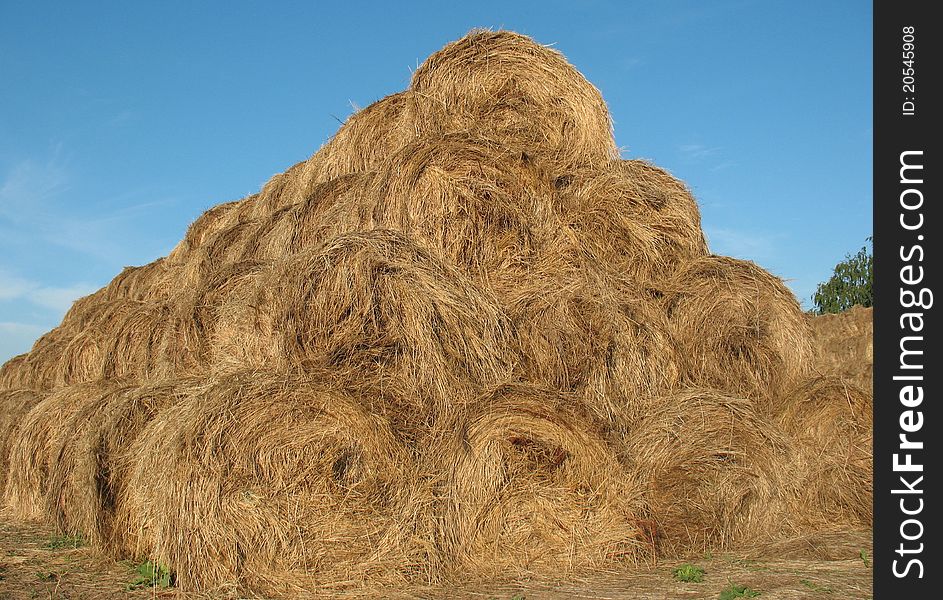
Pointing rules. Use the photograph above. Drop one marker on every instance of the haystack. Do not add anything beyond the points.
(502, 85)
(831, 419)
(474, 200)
(365, 140)
(844, 345)
(33, 439)
(273, 484)
(579, 331)
(331, 208)
(86, 491)
(14, 406)
(715, 472)
(529, 484)
(206, 226)
(149, 282)
(739, 328)
(375, 307)
(633, 216)
(463, 340)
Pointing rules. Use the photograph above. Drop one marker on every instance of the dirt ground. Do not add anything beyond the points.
(33, 564)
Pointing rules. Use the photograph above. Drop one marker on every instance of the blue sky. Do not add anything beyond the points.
(121, 122)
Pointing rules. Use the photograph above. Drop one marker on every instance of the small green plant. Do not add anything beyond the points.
(815, 587)
(733, 591)
(63, 542)
(47, 575)
(689, 573)
(150, 574)
(864, 557)
(518, 597)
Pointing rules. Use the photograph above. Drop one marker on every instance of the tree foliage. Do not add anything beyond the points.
(850, 284)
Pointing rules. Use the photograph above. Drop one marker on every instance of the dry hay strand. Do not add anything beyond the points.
(118, 342)
(844, 344)
(185, 347)
(471, 199)
(36, 369)
(739, 329)
(511, 89)
(138, 344)
(14, 405)
(364, 141)
(328, 210)
(528, 484)
(634, 216)
(148, 282)
(14, 374)
(831, 419)
(716, 472)
(29, 459)
(87, 478)
(204, 227)
(278, 191)
(234, 243)
(70, 484)
(84, 310)
(272, 484)
(578, 330)
(380, 311)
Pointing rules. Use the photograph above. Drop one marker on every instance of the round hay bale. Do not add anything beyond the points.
(271, 484)
(330, 209)
(365, 140)
(83, 310)
(89, 467)
(37, 370)
(14, 374)
(831, 419)
(528, 484)
(716, 472)
(844, 345)
(139, 283)
(380, 310)
(739, 329)
(283, 189)
(29, 456)
(119, 341)
(633, 216)
(473, 200)
(185, 347)
(579, 331)
(239, 241)
(506, 87)
(72, 483)
(135, 341)
(203, 228)
(83, 357)
(14, 405)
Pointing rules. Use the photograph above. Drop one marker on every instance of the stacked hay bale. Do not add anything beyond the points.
(464, 339)
(844, 345)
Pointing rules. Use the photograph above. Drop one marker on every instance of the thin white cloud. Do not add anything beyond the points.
(60, 299)
(31, 209)
(17, 338)
(14, 287)
(54, 298)
(29, 186)
(697, 151)
(739, 244)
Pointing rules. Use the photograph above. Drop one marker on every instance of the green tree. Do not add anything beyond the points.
(850, 284)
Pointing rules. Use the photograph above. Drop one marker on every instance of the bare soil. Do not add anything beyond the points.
(828, 565)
